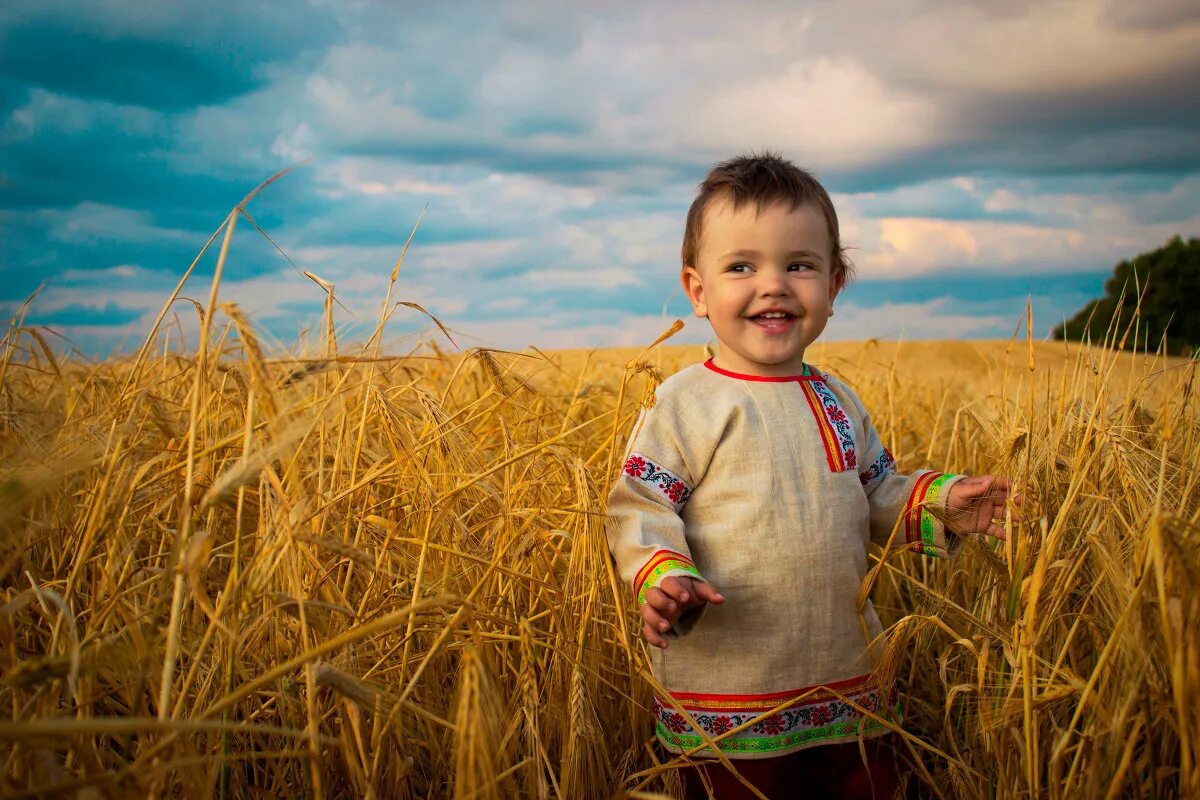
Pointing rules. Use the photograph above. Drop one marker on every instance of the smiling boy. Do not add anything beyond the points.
(748, 498)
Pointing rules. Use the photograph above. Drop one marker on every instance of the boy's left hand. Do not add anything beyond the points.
(974, 502)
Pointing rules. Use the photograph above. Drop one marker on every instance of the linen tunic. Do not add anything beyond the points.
(770, 489)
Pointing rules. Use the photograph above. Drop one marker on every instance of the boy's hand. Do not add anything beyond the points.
(974, 502)
(667, 601)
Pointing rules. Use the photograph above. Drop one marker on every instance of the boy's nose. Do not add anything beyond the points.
(771, 282)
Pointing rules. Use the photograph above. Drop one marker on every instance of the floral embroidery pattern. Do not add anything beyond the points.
(872, 475)
(837, 432)
(661, 565)
(820, 716)
(919, 523)
(670, 485)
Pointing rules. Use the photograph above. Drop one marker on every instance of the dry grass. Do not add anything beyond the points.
(229, 574)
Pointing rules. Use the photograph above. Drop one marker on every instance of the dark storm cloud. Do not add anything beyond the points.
(1152, 14)
(97, 151)
(170, 55)
(124, 70)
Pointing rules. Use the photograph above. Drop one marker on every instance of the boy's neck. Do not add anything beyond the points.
(792, 369)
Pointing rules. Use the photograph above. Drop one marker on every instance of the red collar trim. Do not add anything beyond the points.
(812, 376)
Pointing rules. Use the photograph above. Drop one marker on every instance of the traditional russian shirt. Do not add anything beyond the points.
(770, 489)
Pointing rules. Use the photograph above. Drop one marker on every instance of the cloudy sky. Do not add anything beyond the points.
(977, 154)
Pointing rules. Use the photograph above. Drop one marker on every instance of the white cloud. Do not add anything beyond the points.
(1054, 231)
(829, 113)
(1040, 48)
(100, 294)
(506, 304)
(90, 222)
(101, 276)
(582, 278)
(375, 177)
(935, 319)
(295, 145)
(463, 258)
(568, 331)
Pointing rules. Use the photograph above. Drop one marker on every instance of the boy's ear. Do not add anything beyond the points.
(836, 284)
(694, 287)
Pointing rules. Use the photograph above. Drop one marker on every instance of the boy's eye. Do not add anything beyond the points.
(799, 266)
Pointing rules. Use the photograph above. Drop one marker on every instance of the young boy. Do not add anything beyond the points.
(749, 495)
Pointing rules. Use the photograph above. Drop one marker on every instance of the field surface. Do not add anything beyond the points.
(233, 573)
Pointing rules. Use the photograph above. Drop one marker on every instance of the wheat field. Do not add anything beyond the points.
(327, 572)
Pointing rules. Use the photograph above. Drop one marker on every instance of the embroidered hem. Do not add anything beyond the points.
(920, 525)
(817, 716)
(662, 564)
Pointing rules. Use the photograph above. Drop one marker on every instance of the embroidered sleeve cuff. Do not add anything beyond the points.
(662, 565)
(923, 530)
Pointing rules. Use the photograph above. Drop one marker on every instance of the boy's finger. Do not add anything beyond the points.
(997, 531)
(659, 600)
(708, 592)
(654, 637)
(655, 620)
(675, 588)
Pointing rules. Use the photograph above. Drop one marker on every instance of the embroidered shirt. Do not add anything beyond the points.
(770, 489)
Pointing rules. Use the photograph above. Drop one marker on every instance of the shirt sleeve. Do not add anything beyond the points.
(643, 525)
(915, 502)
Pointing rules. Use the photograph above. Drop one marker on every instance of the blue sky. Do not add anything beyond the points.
(976, 155)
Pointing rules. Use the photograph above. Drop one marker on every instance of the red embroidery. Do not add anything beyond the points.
(666, 482)
(816, 714)
(872, 475)
(837, 433)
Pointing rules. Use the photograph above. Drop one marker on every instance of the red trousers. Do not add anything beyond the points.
(826, 771)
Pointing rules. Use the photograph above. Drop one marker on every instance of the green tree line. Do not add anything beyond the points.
(1169, 282)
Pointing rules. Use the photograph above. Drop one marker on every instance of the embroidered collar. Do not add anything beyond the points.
(809, 374)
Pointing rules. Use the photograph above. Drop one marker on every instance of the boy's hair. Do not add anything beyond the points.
(762, 180)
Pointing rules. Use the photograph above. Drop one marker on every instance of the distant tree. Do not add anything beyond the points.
(1169, 279)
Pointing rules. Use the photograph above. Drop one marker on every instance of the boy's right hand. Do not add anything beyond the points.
(666, 602)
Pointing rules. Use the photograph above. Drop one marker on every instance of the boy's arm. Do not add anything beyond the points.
(643, 525)
(913, 504)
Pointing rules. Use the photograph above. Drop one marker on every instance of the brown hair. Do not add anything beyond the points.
(763, 179)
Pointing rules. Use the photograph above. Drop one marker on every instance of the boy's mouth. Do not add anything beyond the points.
(774, 321)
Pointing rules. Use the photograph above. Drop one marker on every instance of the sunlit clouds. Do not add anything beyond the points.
(978, 155)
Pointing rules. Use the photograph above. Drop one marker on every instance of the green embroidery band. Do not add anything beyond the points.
(770, 744)
(928, 521)
(660, 570)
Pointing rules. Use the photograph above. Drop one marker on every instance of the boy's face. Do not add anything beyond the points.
(773, 261)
